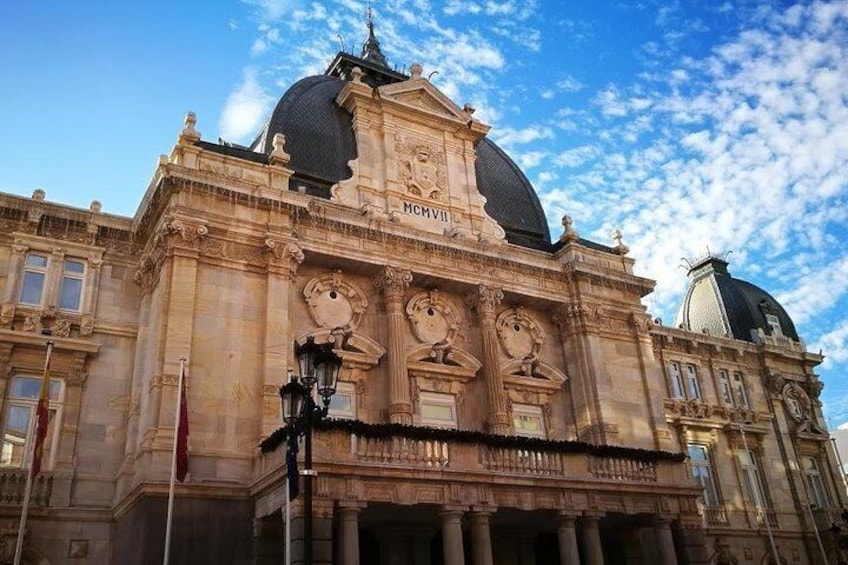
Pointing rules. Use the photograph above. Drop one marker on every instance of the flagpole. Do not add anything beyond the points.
(173, 464)
(30, 452)
(288, 524)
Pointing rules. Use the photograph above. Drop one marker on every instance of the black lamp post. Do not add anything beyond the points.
(319, 367)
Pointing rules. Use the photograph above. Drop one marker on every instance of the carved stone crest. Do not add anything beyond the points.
(796, 401)
(334, 301)
(421, 167)
(433, 319)
(48, 319)
(521, 337)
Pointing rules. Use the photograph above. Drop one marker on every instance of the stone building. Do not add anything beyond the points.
(504, 399)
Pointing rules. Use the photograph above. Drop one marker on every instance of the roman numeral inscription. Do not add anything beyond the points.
(425, 212)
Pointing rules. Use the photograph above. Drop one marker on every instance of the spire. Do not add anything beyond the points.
(371, 47)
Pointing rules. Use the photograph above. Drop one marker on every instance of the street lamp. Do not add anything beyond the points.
(319, 367)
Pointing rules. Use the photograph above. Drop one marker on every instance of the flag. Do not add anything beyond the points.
(42, 415)
(291, 466)
(182, 431)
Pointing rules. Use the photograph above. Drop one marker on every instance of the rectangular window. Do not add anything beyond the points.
(699, 458)
(724, 389)
(18, 421)
(528, 420)
(34, 275)
(70, 291)
(437, 410)
(815, 486)
(343, 403)
(774, 323)
(741, 391)
(693, 389)
(675, 380)
(751, 479)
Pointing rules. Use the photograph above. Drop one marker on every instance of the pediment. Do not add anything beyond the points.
(419, 94)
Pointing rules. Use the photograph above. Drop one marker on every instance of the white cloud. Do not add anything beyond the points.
(510, 137)
(245, 108)
(834, 343)
(575, 157)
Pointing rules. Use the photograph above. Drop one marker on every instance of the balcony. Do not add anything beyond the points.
(448, 451)
(762, 514)
(13, 485)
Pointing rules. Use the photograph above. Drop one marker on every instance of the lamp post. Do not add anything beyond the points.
(319, 368)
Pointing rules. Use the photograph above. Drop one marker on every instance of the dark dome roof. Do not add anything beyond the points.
(723, 305)
(319, 134)
(320, 140)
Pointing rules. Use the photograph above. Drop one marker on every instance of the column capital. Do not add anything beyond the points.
(661, 521)
(485, 299)
(591, 516)
(392, 282)
(483, 510)
(350, 506)
(451, 512)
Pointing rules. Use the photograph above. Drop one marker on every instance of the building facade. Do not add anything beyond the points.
(504, 398)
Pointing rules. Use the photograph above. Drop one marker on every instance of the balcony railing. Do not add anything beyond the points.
(762, 514)
(618, 468)
(714, 516)
(524, 461)
(440, 453)
(13, 485)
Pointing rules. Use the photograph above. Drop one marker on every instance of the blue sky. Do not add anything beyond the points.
(688, 125)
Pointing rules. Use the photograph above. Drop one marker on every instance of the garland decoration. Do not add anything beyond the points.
(380, 431)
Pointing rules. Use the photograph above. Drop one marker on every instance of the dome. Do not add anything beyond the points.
(320, 139)
(719, 304)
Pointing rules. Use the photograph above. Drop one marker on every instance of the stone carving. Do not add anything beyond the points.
(335, 302)
(723, 555)
(796, 401)
(49, 319)
(775, 383)
(433, 319)
(287, 254)
(485, 300)
(7, 315)
(421, 167)
(86, 325)
(520, 335)
(393, 282)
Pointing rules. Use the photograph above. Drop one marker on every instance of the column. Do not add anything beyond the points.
(481, 539)
(452, 536)
(567, 538)
(665, 541)
(591, 536)
(283, 260)
(13, 275)
(484, 300)
(349, 533)
(392, 282)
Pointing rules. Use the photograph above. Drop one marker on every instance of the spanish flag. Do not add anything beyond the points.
(42, 415)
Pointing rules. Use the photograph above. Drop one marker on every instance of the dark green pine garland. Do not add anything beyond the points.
(377, 431)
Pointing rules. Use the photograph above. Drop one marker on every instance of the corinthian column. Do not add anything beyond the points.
(484, 301)
(392, 282)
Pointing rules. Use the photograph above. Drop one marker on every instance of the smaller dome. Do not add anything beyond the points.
(719, 304)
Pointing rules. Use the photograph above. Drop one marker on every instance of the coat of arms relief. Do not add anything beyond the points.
(421, 167)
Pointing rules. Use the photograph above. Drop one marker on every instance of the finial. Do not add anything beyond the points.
(38, 194)
(356, 74)
(189, 135)
(278, 155)
(619, 248)
(568, 232)
(416, 70)
(371, 47)
(95, 206)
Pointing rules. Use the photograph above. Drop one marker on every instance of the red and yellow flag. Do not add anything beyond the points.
(182, 430)
(42, 415)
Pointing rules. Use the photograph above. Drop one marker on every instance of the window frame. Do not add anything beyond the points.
(533, 411)
(740, 389)
(675, 381)
(55, 408)
(28, 269)
(66, 275)
(817, 493)
(693, 383)
(725, 388)
(441, 400)
(753, 486)
(710, 496)
(343, 388)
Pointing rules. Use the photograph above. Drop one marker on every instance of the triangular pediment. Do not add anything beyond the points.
(420, 94)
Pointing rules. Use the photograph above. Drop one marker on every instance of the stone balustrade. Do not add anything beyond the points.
(620, 469)
(13, 485)
(338, 447)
